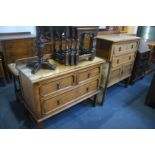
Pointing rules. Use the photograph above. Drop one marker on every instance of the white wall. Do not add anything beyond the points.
(5, 29)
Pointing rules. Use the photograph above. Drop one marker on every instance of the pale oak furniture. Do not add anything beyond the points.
(120, 50)
(47, 92)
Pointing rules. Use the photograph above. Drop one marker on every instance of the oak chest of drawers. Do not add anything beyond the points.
(120, 50)
(47, 92)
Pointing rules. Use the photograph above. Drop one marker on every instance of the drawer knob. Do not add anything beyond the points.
(120, 48)
(129, 57)
(87, 89)
(58, 86)
(89, 75)
(131, 46)
(58, 102)
(117, 61)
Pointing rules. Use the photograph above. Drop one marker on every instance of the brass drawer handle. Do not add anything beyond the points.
(58, 86)
(117, 61)
(129, 57)
(131, 46)
(120, 48)
(87, 89)
(58, 102)
(89, 75)
(122, 72)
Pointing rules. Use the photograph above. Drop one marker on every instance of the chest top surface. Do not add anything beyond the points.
(117, 37)
(43, 74)
(16, 36)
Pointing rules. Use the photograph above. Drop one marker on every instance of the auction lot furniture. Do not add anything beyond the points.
(151, 60)
(16, 46)
(49, 92)
(2, 75)
(120, 50)
(141, 62)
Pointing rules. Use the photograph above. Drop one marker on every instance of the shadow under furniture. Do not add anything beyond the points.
(150, 98)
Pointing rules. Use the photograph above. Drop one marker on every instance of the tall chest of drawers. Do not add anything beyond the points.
(120, 50)
(47, 92)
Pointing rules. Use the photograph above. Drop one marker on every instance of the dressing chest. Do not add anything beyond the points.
(49, 92)
(120, 50)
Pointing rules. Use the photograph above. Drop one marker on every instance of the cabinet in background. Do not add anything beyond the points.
(120, 51)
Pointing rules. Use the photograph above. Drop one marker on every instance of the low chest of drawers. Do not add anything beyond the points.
(47, 92)
(120, 50)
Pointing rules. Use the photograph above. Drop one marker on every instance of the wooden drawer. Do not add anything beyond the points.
(57, 102)
(12, 56)
(127, 69)
(88, 74)
(19, 52)
(57, 84)
(18, 44)
(123, 48)
(118, 60)
(115, 74)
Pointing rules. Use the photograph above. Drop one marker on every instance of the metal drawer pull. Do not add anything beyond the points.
(120, 48)
(129, 57)
(58, 86)
(58, 102)
(117, 61)
(89, 75)
(131, 46)
(87, 89)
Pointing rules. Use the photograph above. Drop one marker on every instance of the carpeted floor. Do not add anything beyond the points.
(124, 108)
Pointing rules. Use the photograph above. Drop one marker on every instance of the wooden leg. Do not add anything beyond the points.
(127, 81)
(39, 125)
(95, 100)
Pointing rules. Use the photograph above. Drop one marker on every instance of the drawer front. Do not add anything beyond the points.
(119, 49)
(88, 74)
(20, 43)
(56, 85)
(118, 60)
(12, 56)
(115, 75)
(127, 69)
(55, 103)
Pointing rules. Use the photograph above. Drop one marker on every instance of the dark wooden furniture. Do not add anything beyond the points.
(49, 92)
(73, 48)
(151, 60)
(141, 64)
(150, 98)
(120, 50)
(16, 46)
(2, 75)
